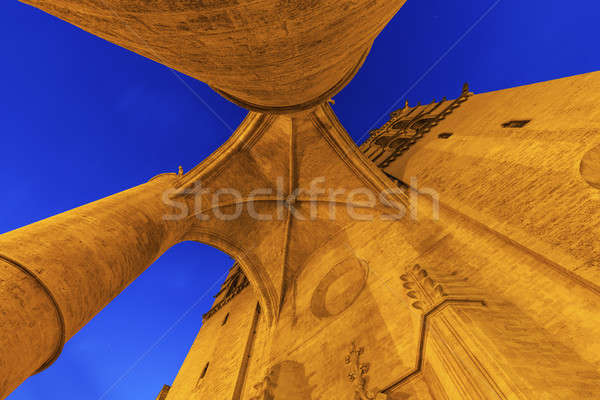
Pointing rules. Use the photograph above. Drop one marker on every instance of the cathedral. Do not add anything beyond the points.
(452, 255)
(476, 289)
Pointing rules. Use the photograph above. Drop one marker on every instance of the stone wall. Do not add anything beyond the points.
(465, 301)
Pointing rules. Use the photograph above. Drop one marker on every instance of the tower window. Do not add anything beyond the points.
(445, 135)
(225, 319)
(202, 375)
(204, 371)
(517, 123)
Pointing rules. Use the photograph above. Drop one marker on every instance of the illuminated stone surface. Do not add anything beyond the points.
(493, 294)
(266, 55)
(590, 167)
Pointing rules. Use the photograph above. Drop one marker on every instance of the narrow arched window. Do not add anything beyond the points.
(202, 375)
(516, 123)
(225, 319)
(204, 371)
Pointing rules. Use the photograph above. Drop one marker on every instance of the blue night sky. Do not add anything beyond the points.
(82, 119)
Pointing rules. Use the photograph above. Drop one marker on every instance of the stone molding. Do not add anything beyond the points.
(59, 314)
(399, 141)
(226, 300)
(425, 323)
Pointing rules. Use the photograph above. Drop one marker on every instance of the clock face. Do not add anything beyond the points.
(590, 167)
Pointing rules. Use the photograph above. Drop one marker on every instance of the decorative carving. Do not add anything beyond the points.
(429, 297)
(419, 286)
(358, 375)
(264, 389)
(231, 287)
(164, 392)
(286, 380)
(406, 126)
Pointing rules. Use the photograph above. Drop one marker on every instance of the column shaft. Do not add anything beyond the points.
(58, 273)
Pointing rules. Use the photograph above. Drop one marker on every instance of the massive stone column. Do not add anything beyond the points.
(265, 55)
(56, 274)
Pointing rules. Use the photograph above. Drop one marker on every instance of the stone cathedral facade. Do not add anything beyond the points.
(453, 255)
(482, 324)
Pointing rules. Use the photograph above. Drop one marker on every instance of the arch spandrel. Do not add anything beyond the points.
(253, 270)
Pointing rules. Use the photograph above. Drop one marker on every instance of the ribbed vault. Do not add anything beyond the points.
(285, 184)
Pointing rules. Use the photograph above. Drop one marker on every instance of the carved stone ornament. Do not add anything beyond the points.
(357, 374)
(424, 292)
(264, 390)
(407, 126)
(232, 287)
